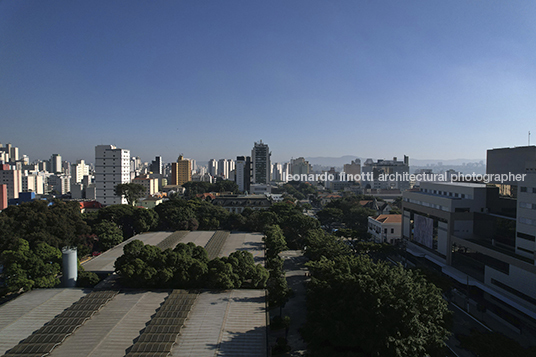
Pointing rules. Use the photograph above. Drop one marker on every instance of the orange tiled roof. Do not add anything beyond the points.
(389, 218)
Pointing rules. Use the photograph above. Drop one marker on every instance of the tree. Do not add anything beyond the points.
(131, 219)
(358, 307)
(87, 279)
(175, 215)
(28, 269)
(274, 241)
(59, 224)
(278, 290)
(221, 275)
(131, 191)
(329, 216)
(109, 234)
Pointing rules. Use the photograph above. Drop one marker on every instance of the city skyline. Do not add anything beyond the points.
(431, 80)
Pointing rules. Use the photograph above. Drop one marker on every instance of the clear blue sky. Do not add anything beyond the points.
(429, 79)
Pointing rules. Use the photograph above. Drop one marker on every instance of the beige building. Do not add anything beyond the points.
(181, 171)
(150, 184)
(12, 179)
(385, 228)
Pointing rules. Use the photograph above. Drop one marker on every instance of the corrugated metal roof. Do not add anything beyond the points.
(21, 317)
(113, 330)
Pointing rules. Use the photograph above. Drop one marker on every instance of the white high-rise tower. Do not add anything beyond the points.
(112, 167)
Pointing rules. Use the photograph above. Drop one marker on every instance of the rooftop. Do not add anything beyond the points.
(388, 218)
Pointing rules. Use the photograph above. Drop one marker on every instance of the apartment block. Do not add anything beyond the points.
(243, 173)
(78, 171)
(260, 157)
(12, 179)
(181, 171)
(150, 184)
(386, 174)
(112, 167)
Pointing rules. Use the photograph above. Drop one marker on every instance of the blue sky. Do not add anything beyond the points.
(429, 79)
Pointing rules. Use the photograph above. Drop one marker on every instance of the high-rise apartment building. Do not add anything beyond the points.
(9, 153)
(55, 164)
(260, 157)
(382, 169)
(353, 168)
(181, 171)
(78, 171)
(33, 183)
(300, 166)
(213, 167)
(156, 166)
(12, 179)
(243, 173)
(112, 167)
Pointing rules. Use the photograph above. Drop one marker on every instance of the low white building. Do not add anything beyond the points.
(385, 228)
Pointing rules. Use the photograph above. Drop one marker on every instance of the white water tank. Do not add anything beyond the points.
(70, 267)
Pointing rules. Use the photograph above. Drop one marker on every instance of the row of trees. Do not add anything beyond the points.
(358, 307)
(187, 266)
(278, 290)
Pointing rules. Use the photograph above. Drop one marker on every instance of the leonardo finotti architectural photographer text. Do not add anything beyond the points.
(443, 177)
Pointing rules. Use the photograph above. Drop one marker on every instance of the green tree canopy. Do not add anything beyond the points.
(132, 192)
(59, 224)
(109, 234)
(359, 307)
(27, 269)
(187, 266)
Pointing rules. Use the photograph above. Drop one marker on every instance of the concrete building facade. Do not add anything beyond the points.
(243, 173)
(480, 234)
(12, 179)
(112, 167)
(181, 171)
(78, 171)
(385, 228)
(381, 170)
(261, 167)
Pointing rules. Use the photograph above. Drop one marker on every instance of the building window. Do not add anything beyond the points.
(392, 230)
(525, 250)
(525, 236)
(523, 189)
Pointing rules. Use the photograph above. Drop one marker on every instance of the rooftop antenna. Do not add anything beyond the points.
(529, 137)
